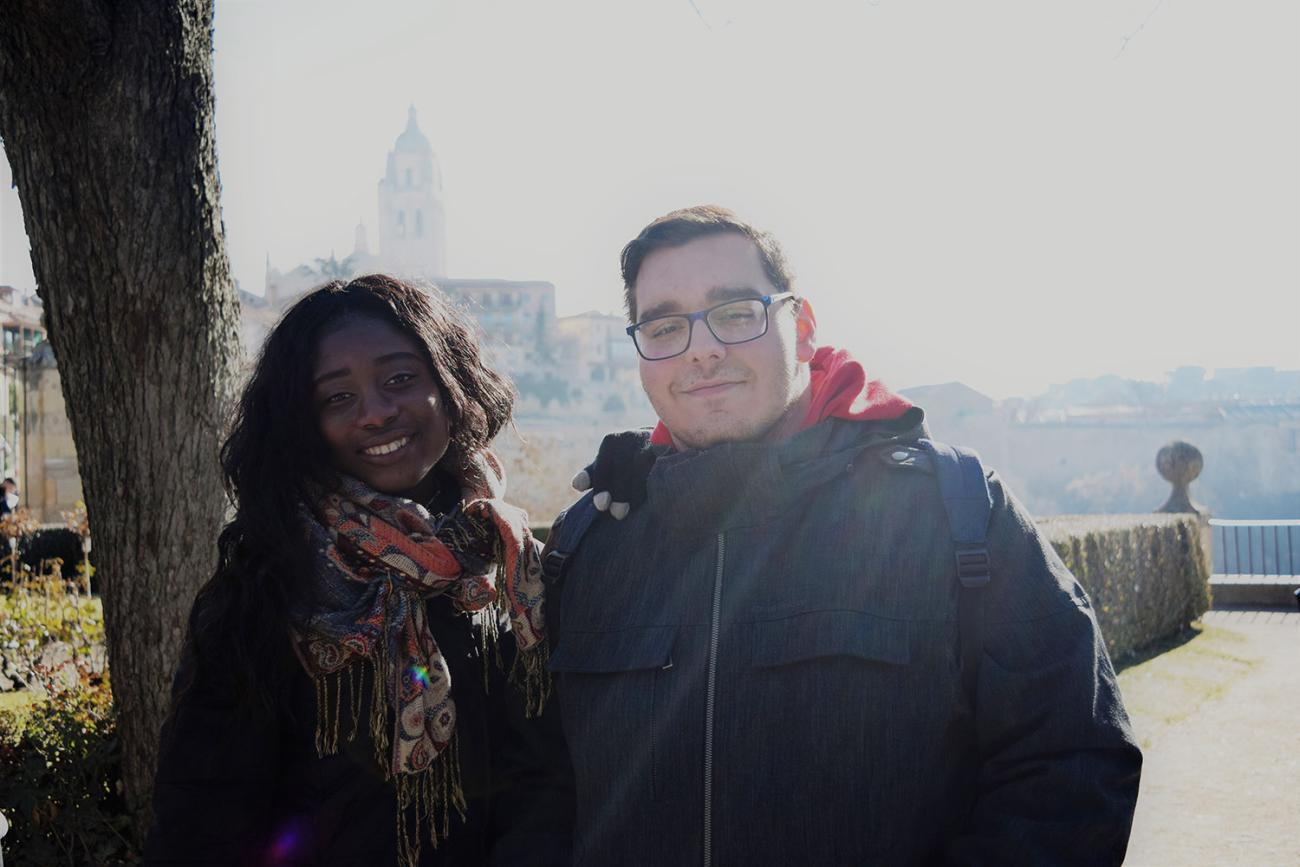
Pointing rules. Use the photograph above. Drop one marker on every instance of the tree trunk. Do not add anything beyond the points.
(106, 111)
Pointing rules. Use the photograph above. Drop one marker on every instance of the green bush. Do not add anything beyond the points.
(31, 620)
(60, 779)
(1147, 575)
(59, 770)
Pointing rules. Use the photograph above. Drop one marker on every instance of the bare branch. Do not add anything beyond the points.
(1140, 28)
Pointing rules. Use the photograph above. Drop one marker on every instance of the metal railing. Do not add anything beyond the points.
(1264, 548)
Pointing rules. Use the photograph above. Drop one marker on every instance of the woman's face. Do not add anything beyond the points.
(379, 407)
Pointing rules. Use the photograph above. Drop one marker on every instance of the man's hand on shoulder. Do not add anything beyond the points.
(618, 474)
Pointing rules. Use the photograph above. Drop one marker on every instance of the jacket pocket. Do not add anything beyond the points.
(609, 686)
(819, 634)
(632, 649)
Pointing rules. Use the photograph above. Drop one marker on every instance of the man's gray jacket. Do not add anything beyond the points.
(761, 666)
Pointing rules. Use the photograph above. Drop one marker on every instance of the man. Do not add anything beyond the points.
(8, 496)
(762, 665)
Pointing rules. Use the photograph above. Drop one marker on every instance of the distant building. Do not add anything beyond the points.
(517, 317)
(20, 319)
(412, 221)
(951, 400)
(412, 227)
(594, 347)
(1089, 446)
(581, 363)
(49, 483)
(257, 317)
(36, 445)
(599, 362)
(20, 316)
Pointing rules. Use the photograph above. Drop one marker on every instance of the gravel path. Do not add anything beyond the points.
(1219, 722)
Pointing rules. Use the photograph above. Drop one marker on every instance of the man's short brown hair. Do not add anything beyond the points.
(686, 225)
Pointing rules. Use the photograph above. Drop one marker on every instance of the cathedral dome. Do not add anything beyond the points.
(412, 140)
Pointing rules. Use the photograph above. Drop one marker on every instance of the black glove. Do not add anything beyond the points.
(619, 472)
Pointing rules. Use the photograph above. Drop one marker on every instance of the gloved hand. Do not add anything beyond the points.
(619, 472)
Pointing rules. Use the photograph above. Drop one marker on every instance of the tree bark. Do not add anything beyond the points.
(106, 112)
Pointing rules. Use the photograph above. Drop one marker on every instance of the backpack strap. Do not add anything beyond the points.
(968, 504)
(574, 524)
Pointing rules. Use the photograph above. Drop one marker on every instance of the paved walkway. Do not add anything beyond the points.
(1219, 723)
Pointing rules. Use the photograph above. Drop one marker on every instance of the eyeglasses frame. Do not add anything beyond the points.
(703, 315)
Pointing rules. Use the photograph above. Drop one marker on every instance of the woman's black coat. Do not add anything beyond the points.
(232, 790)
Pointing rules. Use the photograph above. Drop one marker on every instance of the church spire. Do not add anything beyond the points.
(362, 245)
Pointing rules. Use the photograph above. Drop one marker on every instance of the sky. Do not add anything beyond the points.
(1009, 194)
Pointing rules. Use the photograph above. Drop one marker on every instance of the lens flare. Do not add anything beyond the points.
(420, 675)
(287, 843)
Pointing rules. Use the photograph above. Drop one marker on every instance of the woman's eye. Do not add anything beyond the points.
(337, 397)
(398, 379)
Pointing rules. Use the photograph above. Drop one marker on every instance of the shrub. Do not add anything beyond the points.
(50, 543)
(60, 777)
(1147, 575)
(59, 768)
(34, 623)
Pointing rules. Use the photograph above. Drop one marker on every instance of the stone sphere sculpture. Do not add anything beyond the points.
(1179, 462)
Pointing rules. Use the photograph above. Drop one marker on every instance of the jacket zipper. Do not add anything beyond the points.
(710, 694)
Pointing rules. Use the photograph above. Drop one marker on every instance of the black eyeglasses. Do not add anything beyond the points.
(731, 322)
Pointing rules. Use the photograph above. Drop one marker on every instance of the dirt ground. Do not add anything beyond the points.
(1218, 718)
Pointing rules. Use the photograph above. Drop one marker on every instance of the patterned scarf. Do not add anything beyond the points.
(378, 559)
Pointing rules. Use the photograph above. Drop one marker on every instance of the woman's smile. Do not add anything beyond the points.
(387, 448)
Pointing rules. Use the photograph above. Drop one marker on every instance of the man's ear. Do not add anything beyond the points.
(805, 331)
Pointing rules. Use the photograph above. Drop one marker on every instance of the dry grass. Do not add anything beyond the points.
(1171, 681)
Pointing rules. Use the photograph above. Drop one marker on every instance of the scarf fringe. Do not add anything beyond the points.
(432, 793)
(532, 678)
(329, 710)
(330, 713)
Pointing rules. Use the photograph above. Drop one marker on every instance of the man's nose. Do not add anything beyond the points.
(377, 409)
(704, 346)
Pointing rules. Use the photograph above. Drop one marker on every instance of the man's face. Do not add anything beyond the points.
(715, 392)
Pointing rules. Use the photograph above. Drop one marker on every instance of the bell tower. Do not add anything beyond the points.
(412, 222)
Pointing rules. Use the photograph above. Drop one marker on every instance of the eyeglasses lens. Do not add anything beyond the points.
(738, 321)
(735, 322)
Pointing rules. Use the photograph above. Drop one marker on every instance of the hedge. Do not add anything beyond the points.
(1147, 575)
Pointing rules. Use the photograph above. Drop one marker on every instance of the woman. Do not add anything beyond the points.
(343, 696)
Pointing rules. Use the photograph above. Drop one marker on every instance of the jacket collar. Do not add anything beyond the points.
(729, 485)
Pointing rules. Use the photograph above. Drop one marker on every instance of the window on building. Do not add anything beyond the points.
(401, 224)
(408, 179)
(419, 224)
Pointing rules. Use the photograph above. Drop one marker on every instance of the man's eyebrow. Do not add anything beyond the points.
(402, 355)
(716, 295)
